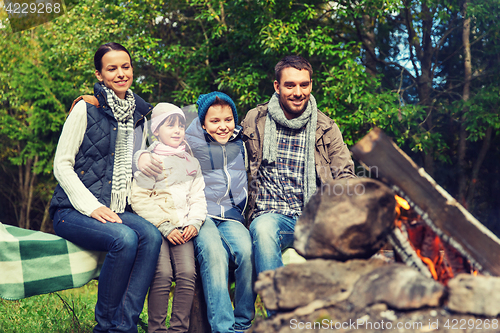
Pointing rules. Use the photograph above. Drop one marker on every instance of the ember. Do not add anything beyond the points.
(442, 261)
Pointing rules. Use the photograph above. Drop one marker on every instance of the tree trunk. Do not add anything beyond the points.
(462, 145)
(422, 51)
(46, 219)
(368, 38)
(477, 166)
(26, 179)
(31, 188)
(22, 191)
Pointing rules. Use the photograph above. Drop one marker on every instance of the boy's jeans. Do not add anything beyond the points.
(220, 245)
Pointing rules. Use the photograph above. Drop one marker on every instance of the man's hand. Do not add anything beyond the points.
(189, 232)
(104, 214)
(175, 237)
(149, 165)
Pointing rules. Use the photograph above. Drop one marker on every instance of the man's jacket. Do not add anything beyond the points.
(332, 158)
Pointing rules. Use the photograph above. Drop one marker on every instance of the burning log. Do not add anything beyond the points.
(442, 213)
(405, 251)
(416, 244)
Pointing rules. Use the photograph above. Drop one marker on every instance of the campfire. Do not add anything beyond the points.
(415, 243)
(430, 283)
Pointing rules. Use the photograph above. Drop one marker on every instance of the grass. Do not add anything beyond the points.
(67, 311)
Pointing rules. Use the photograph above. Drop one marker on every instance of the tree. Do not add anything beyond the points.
(480, 122)
(32, 113)
(396, 64)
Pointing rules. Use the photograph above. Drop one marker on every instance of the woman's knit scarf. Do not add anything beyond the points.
(309, 118)
(123, 110)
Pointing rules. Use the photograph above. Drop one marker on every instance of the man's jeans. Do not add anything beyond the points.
(222, 245)
(133, 247)
(271, 233)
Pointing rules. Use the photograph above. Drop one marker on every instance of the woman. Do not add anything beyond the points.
(93, 165)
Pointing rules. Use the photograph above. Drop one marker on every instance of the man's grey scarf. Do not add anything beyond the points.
(123, 110)
(309, 118)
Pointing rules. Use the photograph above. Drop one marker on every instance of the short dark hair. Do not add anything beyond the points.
(105, 48)
(172, 119)
(294, 61)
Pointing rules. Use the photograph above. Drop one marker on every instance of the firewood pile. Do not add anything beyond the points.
(441, 276)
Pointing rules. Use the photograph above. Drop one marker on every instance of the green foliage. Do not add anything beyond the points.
(31, 112)
(355, 100)
(34, 89)
(244, 83)
(481, 112)
(181, 49)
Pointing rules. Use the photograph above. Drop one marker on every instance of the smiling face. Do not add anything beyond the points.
(171, 132)
(294, 89)
(116, 72)
(219, 123)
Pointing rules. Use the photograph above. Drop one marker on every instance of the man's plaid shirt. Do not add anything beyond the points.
(280, 185)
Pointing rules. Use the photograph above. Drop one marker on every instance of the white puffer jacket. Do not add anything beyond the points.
(174, 197)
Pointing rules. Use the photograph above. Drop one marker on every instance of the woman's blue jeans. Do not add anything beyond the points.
(222, 245)
(271, 233)
(133, 247)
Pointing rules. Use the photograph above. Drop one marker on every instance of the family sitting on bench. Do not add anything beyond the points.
(189, 194)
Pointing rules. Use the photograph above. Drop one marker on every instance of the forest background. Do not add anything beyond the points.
(426, 72)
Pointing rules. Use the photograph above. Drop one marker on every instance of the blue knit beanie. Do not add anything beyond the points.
(205, 101)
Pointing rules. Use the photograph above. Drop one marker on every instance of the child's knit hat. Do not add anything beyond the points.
(161, 111)
(206, 100)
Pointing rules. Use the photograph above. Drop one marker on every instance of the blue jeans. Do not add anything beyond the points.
(271, 233)
(133, 247)
(219, 245)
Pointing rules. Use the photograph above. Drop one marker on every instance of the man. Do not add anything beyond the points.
(292, 148)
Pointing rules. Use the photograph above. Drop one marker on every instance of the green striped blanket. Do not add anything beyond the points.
(34, 262)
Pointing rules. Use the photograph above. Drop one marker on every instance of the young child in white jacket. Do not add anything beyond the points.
(174, 201)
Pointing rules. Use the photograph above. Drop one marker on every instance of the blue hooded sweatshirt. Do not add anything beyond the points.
(223, 168)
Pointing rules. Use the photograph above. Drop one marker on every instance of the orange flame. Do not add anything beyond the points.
(434, 257)
(402, 202)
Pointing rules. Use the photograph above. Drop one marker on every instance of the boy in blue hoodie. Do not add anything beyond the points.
(223, 242)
